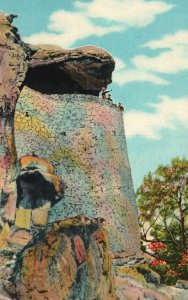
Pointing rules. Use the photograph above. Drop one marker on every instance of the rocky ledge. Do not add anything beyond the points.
(82, 70)
(69, 260)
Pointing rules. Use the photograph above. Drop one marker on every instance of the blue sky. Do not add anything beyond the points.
(149, 41)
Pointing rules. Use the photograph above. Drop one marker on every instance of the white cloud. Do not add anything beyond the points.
(125, 76)
(67, 27)
(180, 38)
(172, 60)
(47, 38)
(137, 13)
(119, 63)
(167, 115)
(77, 26)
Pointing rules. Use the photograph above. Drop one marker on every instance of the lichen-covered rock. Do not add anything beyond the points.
(182, 284)
(4, 296)
(129, 289)
(38, 189)
(13, 68)
(82, 70)
(83, 137)
(135, 280)
(71, 260)
(137, 268)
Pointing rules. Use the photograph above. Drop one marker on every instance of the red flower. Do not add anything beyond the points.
(157, 247)
(156, 262)
(172, 273)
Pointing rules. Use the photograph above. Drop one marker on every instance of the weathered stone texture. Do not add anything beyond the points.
(13, 68)
(83, 137)
(69, 261)
(63, 133)
(38, 188)
(82, 70)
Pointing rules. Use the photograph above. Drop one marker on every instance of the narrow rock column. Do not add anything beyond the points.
(13, 68)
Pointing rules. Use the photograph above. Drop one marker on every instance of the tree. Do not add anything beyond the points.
(163, 215)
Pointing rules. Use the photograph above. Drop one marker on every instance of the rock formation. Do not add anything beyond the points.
(82, 71)
(13, 68)
(63, 156)
(38, 189)
(83, 137)
(70, 261)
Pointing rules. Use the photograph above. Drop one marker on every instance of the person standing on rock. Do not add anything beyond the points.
(104, 92)
(120, 106)
(109, 97)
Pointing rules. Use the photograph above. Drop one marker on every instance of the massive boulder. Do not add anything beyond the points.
(51, 69)
(58, 71)
(67, 259)
(71, 260)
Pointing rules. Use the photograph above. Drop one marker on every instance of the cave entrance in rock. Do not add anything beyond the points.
(34, 197)
(33, 190)
(52, 79)
(37, 189)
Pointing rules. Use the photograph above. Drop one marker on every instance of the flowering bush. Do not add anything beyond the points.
(159, 266)
(171, 277)
(163, 205)
(157, 247)
(157, 262)
(184, 259)
(172, 273)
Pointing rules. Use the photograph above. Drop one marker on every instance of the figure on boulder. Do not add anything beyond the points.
(104, 92)
(120, 106)
(109, 97)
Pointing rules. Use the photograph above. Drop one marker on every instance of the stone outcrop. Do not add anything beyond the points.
(182, 284)
(13, 68)
(83, 70)
(38, 189)
(69, 261)
(135, 280)
(64, 133)
(83, 137)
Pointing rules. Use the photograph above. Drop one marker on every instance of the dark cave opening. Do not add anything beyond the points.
(51, 79)
(33, 190)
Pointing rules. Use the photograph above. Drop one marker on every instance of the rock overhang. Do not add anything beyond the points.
(82, 70)
(52, 69)
(85, 70)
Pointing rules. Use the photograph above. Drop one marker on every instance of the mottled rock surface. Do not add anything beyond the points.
(76, 137)
(81, 70)
(135, 280)
(182, 284)
(130, 289)
(70, 260)
(38, 189)
(83, 137)
(13, 68)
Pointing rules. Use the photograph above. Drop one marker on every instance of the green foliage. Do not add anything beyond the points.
(163, 214)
